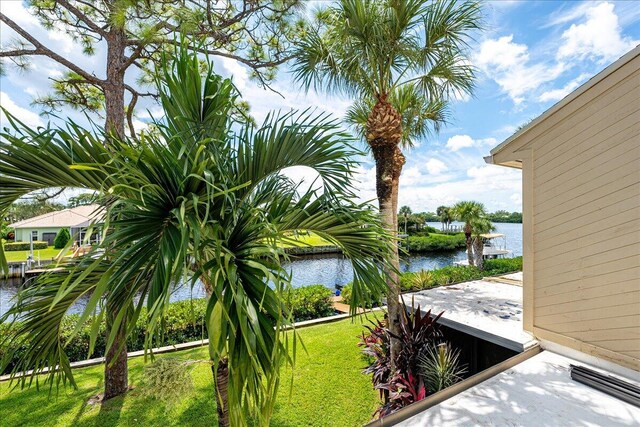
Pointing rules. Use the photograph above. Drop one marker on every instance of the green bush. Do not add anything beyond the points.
(62, 238)
(434, 242)
(24, 246)
(183, 322)
(310, 302)
(493, 267)
(346, 292)
(456, 274)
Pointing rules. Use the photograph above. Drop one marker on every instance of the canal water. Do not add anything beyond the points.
(328, 269)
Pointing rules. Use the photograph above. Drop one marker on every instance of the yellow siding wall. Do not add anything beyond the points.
(585, 218)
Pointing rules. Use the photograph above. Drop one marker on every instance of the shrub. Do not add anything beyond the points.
(24, 246)
(418, 333)
(434, 242)
(493, 267)
(183, 322)
(440, 367)
(346, 297)
(62, 238)
(310, 302)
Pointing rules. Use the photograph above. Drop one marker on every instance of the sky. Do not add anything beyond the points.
(531, 55)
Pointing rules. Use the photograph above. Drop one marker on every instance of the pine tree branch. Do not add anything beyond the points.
(82, 17)
(42, 50)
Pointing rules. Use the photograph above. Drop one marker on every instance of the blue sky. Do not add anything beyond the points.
(530, 56)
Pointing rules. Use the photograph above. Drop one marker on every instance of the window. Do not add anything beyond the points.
(34, 235)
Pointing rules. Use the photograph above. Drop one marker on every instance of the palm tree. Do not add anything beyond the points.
(405, 211)
(402, 61)
(469, 212)
(196, 199)
(444, 213)
(479, 227)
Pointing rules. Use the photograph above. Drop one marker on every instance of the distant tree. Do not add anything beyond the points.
(30, 208)
(467, 212)
(82, 199)
(405, 211)
(62, 238)
(445, 215)
(479, 226)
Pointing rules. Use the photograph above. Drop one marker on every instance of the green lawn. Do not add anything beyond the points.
(42, 254)
(311, 239)
(328, 390)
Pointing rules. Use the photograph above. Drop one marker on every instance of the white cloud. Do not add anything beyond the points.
(558, 94)
(29, 118)
(458, 142)
(435, 166)
(238, 72)
(599, 36)
(508, 63)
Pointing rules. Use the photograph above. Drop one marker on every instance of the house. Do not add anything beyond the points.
(580, 297)
(46, 227)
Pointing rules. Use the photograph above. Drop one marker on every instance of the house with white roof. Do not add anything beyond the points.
(45, 227)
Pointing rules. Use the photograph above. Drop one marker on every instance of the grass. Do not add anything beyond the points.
(328, 390)
(309, 240)
(42, 254)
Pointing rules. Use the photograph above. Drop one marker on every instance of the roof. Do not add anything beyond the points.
(538, 391)
(491, 235)
(80, 216)
(491, 311)
(567, 99)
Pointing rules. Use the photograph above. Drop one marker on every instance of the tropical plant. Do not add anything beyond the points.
(479, 226)
(445, 215)
(468, 212)
(200, 200)
(405, 212)
(422, 279)
(61, 239)
(397, 380)
(401, 61)
(440, 367)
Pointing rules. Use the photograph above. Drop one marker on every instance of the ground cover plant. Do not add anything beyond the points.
(328, 390)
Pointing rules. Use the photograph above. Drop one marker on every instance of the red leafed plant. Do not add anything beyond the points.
(418, 333)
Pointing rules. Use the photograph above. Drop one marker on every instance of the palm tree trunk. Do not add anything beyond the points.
(116, 371)
(468, 241)
(478, 249)
(220, 375)
(383, 134)
(389, 162)
(221, 384)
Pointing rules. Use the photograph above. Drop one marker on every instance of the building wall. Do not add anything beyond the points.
(581, 219)
(23, 234)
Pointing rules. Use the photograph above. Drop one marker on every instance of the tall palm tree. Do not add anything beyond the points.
(401, 61)
(404, 212)
(469, 212)
(444, 213)
(480, 226)
(203, 197)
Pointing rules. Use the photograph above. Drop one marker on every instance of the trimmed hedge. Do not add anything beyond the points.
(448, 275)
(434, 242)
(184, 322)
(24, 246)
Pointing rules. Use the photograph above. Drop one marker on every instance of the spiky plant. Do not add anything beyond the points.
(440, 367)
